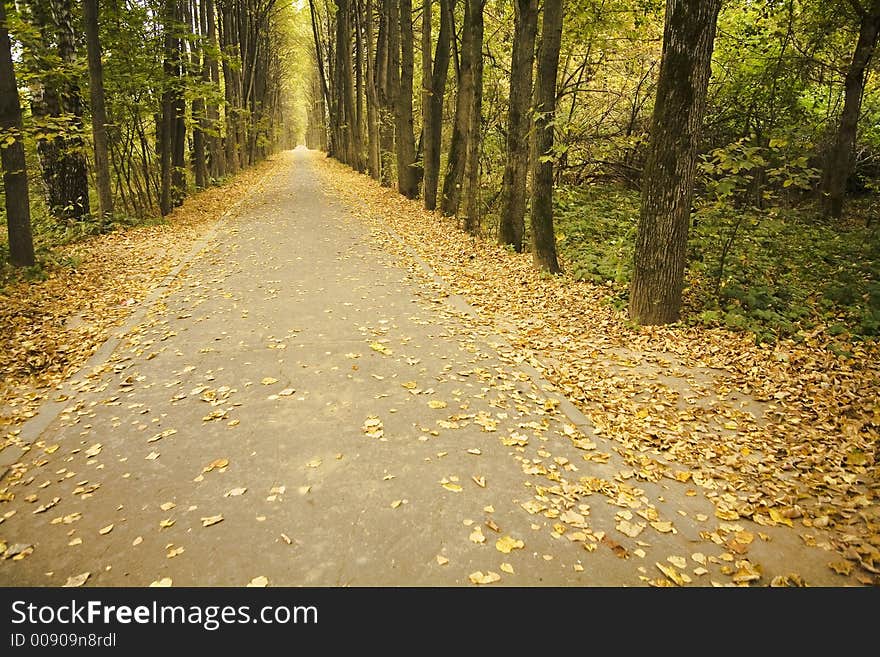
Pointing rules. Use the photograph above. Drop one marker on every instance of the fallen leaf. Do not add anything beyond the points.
(167, 506)
(506, 543)
(75, 541)
(268, 380)
(441, 560)
(105, 530)
(76, 581)
(436, 403)
(235, 492)
(507, 568)
(479, 578)
(152, 456)
(455, 488)
(165, 582)
(259, 582)
(216, 464)
(476, 535)
(479, 481)
(94, 450)
(212, 520)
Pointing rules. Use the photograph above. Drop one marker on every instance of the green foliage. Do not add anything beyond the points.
(784, 274)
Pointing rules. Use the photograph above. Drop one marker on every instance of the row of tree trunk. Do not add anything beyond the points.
(383, 142)
(221, 54)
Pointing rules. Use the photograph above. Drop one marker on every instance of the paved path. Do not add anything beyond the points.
(351, 427)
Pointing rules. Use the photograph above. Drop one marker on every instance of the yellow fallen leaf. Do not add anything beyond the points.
(258, 582)
(507, 568)
(165, 582)
(777, 516)
(167, 506)
(476, 535)
(268, 380)
(76, 580)
(441, 560)
(663, 526)
(164, 524)
(479, 578)
(216, 465)
(436, 403)
(381, 348)
(479, 481)
(212, 520)
(455, 488)
(105, 530)
(74, 541)
(507, 543)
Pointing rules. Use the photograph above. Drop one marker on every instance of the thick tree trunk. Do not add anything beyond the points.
(15, 181)
(432, 107)
(511, 230)
(543, 235)
(99, 113)
(345, 86)
(231, 84)
(407, 173)
(668, 179)
(839, 163)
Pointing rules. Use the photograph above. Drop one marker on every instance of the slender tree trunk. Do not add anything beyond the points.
(373, 164)
(216, 154)
(15, 181)
(435, 74)
(99, 113)
(513, 189)
(386, 84)
(471, 189)
(668, 179)
(464, 101)
(543, 236)
(839, 163)
(62, 156)
(231, 84)
(322, 73)
(199, 62)
(407, 174)
(166, 125)
(359, 82)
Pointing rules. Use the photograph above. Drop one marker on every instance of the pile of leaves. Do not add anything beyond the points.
(782, 433)
(51, 325)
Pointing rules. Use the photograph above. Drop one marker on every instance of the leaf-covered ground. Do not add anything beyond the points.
(49, 329)
(781, 434)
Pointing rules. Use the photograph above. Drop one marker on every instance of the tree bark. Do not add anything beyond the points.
(471, 188)
(166, 127)
(62, 155)
(541, 221)
(432, 108)
(198, 62)
(839, 163)
(99, 113)
(407, 174)
(511, 230)
(373, 164)
(464, 101)
(216, 154)
(668, 179)
(15, 181)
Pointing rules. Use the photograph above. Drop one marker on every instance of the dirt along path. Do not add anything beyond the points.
(299, 407)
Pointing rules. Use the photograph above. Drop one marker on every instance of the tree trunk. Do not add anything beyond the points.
(668, 179)
(198, 62)
(407, 174)
(839, 163)
(166, 126)
(432, 108)
(344, 85)
(464, 101)
(513, 188)
(231, 84)
(385, 84)
(543, 236)
(15, 181)
(99, 113)
(62, 156)
(471, 189)
(373, 164)
(216, 154)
